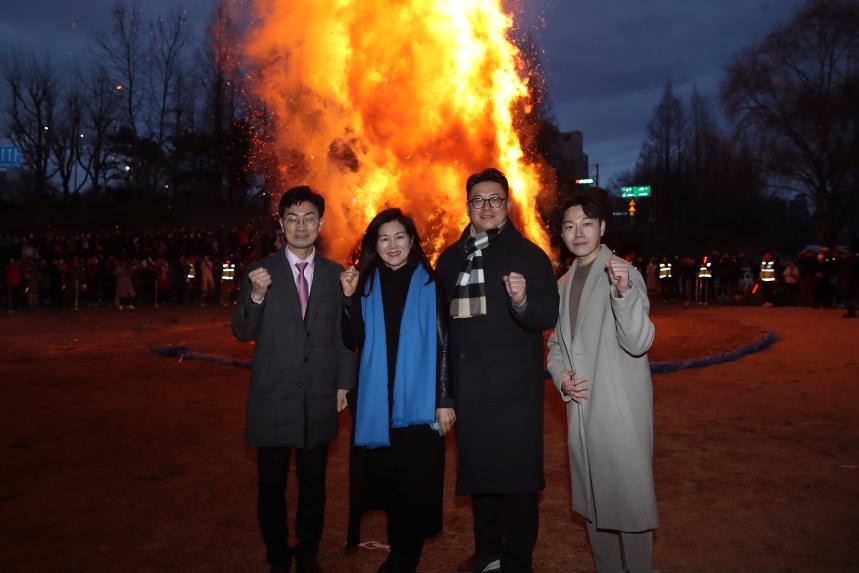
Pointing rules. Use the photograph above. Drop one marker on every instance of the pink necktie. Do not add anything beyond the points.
(302, 287)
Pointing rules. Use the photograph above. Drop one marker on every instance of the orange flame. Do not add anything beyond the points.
(393, 104)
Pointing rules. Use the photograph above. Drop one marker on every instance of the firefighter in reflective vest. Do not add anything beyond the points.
(702, 281)
(666, 279)
(228, 276)
(767, 277)
(664, 270)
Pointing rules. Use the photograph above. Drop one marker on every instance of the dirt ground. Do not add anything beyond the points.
(116, 459)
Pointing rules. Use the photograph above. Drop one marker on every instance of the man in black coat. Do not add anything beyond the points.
(502, 296)
(289, 304)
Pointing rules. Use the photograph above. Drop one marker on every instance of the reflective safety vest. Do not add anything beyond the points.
(228, 271)
(665, 270)
(704, 271)
(767, 271)
(192, 272)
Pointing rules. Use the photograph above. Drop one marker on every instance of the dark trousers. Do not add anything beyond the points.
(273, 465)
(768, 291)
(506, 526)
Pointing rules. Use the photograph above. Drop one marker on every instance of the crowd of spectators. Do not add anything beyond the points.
(814, 277)
(201, 266)
(122, 269)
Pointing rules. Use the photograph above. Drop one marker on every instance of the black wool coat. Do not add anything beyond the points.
(298, 365)
(405, 479)
(497, 368)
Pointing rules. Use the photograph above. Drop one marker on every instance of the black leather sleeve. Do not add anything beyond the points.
(351, 322)
(444, 389)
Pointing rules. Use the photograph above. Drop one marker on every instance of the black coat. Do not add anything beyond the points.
(497, 370)
(406, 478)
(298, 365)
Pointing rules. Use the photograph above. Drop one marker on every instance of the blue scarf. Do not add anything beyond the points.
(415, 375)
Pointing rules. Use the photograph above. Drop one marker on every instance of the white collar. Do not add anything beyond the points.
(294, 260)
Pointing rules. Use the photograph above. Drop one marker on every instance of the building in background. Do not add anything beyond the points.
(10, 170)
(563, 150)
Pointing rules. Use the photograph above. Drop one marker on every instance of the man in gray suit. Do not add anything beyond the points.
(289, 303)
(598, 361)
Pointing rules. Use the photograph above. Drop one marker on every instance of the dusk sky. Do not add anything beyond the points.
(607, 61)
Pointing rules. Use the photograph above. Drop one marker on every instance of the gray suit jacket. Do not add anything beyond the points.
(298, 365)
(610, 435)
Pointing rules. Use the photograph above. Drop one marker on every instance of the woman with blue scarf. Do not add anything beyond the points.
(392, 312)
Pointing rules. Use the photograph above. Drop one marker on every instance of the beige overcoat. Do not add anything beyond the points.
(610, 434)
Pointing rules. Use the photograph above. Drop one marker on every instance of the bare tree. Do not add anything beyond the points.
(701, 133)
(664, 144)
(123, 47)
(797, 93)
(66, 143)
(98, 120)
(662, 153)
(224, 84)
(31, 83)
(169, 36)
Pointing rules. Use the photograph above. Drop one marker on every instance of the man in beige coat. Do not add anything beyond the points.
(598, 361)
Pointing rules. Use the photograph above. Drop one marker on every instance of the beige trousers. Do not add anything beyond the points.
(616, 551)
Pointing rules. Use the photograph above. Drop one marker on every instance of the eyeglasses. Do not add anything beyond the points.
(495, 201)
(309, 221)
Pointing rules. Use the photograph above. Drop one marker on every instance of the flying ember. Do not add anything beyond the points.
(393, 104)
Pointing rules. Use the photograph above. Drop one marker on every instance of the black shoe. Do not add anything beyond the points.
(307, 565)
(468, 564)
(480, 564)
(395, 564)
(280, 567)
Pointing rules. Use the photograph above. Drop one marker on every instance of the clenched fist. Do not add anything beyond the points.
(260, 281)
(618, 274)
(515, 285)
(349, 280)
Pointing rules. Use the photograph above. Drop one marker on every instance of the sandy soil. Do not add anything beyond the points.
(115, 459)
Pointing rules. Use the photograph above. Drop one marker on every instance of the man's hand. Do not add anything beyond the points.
(618, 274)
(349, 280)
(445, 417)
(573, 387)
(515, 285)
(341, 400)
(260, 281)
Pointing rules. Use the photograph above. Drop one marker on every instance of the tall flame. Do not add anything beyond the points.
(393, 103)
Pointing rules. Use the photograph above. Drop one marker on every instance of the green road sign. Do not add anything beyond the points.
(636, 191)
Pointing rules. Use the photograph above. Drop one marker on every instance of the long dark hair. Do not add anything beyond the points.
(369, 259)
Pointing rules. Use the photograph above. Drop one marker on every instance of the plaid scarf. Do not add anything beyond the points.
(471, 284)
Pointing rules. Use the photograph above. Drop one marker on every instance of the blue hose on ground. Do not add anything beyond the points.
(185, 353)
(768, 339)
